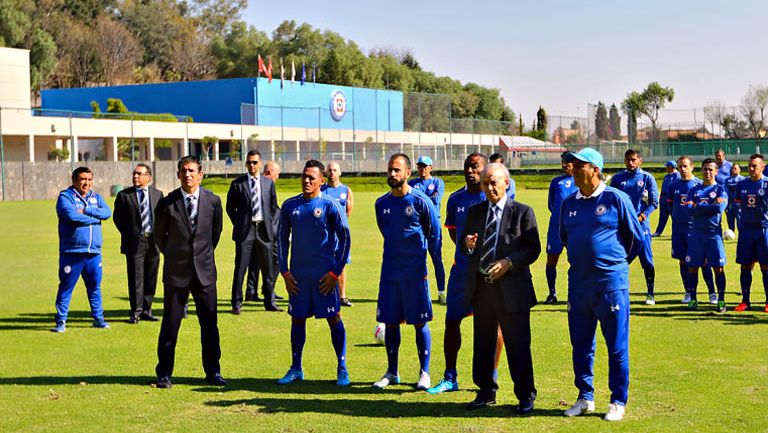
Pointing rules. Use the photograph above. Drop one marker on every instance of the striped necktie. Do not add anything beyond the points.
(255, 202)
(488, 252)
(192, 211)
(146, 216)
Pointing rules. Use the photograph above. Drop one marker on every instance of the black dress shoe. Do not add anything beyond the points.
(551, 299)
(482, 400)
(236, 311)
(272, 307)
(215, 379)
(250, 297)
(163, 382)
(148, 317)
(133, 319)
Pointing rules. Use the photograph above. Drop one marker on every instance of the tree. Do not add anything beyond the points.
(649, 102)
(206, 142)
(520, 125)
(118, 50)
(541, 119)
(215, 17)
(79, 62)
(631, 125)
(754, 107)
(602, 128)
(714, 112)
(614, 122)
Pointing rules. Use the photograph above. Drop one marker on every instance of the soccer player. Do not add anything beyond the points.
(752, 198)
(407, 220)
(665, 203)
(705, 243)
(640, 186)
(512, 188)
(560, 188)
(336, 190)
(457, 309)
(80, 211)
(732, 212)
(314, 228)
(434, 188)
(724, 172)
(600, 229)
(681, 227)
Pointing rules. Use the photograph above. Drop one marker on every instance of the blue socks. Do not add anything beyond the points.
(720, 282)
(684, 277)
(392, 343)
(746, 284)
(339, 340)
(551, 273)
(298, 338)
(650, 276)
(423, 345)
(693, 282)
(706, 272)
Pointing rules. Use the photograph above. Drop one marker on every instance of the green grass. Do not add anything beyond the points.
(691, 371)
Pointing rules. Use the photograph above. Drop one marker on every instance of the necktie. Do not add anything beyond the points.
(488, 252)
(192, 211)
(255, 202)
(146, 216)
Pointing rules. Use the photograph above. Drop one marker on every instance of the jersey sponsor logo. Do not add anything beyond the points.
(295, 212)
(572, 213)
(601, 210)
(751, 200)
(318, 212)
(409, 210)
(67, 269)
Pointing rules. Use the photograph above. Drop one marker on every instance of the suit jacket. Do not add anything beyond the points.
(127, 216)
(187, 252)
(239, 206)
(518, 241)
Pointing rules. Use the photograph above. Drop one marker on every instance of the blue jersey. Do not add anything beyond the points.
(669, 179)
(752, 198)
(410, 227)
(601, 233)
(678, 193)
(731, 186)
(560, 188)
(312, 228)
(511, 189)
(707, 203)
(723, 173)
(456, 218)
(641, 188)
(339, 193)
(434, 188)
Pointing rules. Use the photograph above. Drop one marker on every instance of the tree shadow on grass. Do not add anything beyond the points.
(377, 408)
(45, 321)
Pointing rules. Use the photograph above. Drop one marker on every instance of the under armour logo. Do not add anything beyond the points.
(424, 315)
(571, 213)
(331, 309)
(460, 209)
(615, 308)
(385, 211)
(295, 212)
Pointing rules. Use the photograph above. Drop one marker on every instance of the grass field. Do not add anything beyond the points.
(691, 371)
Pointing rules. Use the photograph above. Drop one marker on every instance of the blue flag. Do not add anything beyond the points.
(314, 72)
(303, 74)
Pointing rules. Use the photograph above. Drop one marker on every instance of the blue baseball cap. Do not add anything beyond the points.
(586, 155)
(671, 163)
(424, 159)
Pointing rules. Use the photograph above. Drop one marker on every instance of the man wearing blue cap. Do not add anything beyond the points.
(434, 188)
(665, 201)
(600, 229)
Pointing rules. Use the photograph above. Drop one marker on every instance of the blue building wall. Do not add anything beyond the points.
(219, 101)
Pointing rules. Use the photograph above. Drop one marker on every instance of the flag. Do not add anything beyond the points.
(314, 71)
(269, 70)
(293, 72)
(262, 68)
(282, 73)
(303, 74)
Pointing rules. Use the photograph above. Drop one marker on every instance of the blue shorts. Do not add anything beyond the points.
(554, 244)
(705, 247)
(406, 299)
(752, 246)
(646, 254)
(310, 302)
(457, 309)
(679, 242)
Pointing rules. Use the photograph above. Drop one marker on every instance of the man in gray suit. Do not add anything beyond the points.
(252, 208)
(134, 217)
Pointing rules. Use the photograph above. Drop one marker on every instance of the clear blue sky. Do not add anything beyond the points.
(559, 54)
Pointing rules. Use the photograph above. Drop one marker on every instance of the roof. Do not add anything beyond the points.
(528, 144)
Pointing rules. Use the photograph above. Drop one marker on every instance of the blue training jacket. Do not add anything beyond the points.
(80, 232)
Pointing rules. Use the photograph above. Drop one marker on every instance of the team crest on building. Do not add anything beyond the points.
(317, 212)
(338, 105)
(601, 210)
(409, 211)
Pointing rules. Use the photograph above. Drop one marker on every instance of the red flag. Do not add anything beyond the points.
(269, 70)
(262, 68)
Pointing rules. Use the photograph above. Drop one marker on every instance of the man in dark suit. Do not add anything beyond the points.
(252, 208)
(187, 230)
(502, 241)
(271, 171)
(134, 217)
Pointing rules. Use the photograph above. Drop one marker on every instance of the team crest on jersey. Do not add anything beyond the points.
(431, 187)
(687, 259)
(409, 210)
(640, 183)
(93, 200)
(343, 195)
(318, 212)
(67, 269)
(601, 210)
(761, 192)
(712, 194)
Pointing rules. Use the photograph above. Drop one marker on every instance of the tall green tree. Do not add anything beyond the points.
(541, 119)
(602, 128)
(649, 102)
(614, 122)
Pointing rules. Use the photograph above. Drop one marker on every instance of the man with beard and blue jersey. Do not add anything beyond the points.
(408, 222)
(707, 202)
(732, 212)
(434, 189)
(665, 204)
(681, 227)
(336, 190)
(600, 229)
(640, 186)
(561, 187)
(315, 229)
(752, 198)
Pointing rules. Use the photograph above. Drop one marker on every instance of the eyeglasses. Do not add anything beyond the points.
(137, 173)
(252, 162)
